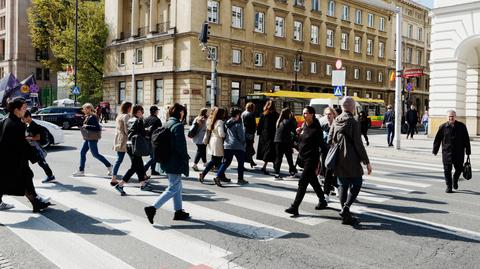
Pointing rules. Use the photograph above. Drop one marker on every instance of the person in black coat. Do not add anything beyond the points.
(250, 125)
(284, 141)
(152, 123)
(365, 123)
(17, 177)
(412, 120)
(455, 141)
(266, 131)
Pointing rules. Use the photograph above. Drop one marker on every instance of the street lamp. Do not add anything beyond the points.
(76, 52)
(296, 65)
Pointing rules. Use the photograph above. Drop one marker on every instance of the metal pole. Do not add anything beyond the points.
(76, 51)
(213, 84)
(296, 74)
(398, 80)
(132, 94)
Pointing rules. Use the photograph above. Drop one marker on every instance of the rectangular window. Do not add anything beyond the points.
(299, 3)
(38, 73)
(235, 93)
(358, 16)
(346, 13)
(410, 31)
(358, 44)
(236, 56)
(409, 55)
(138, 56)
(278, 62)
(344, 44)
(237, 17)
(330, 38)
(46, 74)
(331, 8)
(381, 25)
(298, 30)
(258, 59)
(380, 76)
(158, 53)
(158, 91)
(213, 11)
(314, 34)
(315, 5)
(369, 75)
(356, 73)
(279, 26)
(208, 92)
(419, 57)
(121, 92)
(257, 87)
(328, 70)
(121, 60)
(420, 34)
(370, 20)
(213, 53)
(139, 92)
(313, 67)
(2, 23)
(381, 49)
(369, 47)
(259, 22)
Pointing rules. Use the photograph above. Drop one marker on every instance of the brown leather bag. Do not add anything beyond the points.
(89, 134)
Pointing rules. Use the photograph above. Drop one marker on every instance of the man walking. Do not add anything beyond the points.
(248, 119)
(453, 136)
(388, 121)
(412, 120)
(152, 123)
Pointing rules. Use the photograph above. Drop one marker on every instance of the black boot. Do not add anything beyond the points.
(39, 205)
(181, 215)
(150, 211)
(322, 204)
(292, 210)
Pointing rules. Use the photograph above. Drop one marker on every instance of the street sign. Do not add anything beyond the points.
(338, 77)
(338, 64)
(409, 87)
(76, 90)
(34, 88)
(33, 94)
(337, 91)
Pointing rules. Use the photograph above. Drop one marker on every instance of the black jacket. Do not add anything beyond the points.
(15, 152)
(153, 123)
(249, 123)
(135, 127)
(266, 131)
(310, 141)
(455, 142)
(284, 132)
(412, 117)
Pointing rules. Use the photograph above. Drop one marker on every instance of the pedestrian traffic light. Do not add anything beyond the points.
(203, 37)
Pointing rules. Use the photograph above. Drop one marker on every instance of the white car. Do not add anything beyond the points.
(54, 134)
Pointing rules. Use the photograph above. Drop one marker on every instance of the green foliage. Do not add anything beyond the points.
(52, 26)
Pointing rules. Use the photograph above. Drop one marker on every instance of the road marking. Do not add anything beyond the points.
(177, 244)
(238, 225)
(410, 163)
(59, 245)
(397, 181)
(408, 166)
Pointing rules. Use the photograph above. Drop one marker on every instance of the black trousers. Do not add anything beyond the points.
(44, 165)
(137, 167)
(308, 177)
(283, 149)
(364, 133)
(411, 130)
(201, 154)
(249, 150)
(447, 169)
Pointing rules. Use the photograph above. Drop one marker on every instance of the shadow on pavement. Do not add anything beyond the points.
(404, 209)
(67, 188)
(60, 148)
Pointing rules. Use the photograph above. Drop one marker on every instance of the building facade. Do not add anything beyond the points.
(17, 55)
(455, 63)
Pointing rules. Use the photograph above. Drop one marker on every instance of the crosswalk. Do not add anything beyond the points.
(252, 212)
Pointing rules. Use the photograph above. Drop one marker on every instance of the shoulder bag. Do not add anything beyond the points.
(140, 146)
(90, 134)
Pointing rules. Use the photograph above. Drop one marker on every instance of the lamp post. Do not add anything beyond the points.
(75, 53)
(296, 65)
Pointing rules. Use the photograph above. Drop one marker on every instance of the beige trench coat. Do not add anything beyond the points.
(121, 133)
(215, 147)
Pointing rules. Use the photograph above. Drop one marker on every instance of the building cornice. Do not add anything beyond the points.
(456, 8)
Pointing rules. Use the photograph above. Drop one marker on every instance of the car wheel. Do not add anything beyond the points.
(66, 125)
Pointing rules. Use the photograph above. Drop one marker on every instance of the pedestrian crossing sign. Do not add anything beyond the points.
(338, 91)
(76, 90)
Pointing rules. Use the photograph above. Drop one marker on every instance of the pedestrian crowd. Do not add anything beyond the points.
(330, 146)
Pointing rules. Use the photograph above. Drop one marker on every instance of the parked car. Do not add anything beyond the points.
(52, 134)
(65, 117)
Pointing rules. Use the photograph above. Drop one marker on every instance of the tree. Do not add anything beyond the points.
(52, 26)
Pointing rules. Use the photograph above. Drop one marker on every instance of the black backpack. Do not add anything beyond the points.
(162, 143)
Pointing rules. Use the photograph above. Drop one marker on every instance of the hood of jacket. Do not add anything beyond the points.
(231, 122)
(341, 122)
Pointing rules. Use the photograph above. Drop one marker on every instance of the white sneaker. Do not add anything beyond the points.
(327, 198)
(110, 169)
(5, 206)
(79, 173)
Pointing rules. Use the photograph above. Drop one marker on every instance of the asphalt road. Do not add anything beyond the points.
(407, 220)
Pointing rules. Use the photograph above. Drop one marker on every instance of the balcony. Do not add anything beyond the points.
(142, 31)
(2, 57)
(162, 27)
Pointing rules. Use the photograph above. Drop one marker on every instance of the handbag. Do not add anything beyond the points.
(467, 169)
(193, 130)
(140, 146)
(332, 156)
(90, 134)
(206, 138)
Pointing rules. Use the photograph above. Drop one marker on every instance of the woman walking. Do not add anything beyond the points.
(234, 146)
(248, 119)
(214, 139)
(284, 142)
(348, 167)
(121, 137)
(266, 131)
(365, 123)
(425, 122)
(200, 123)
(91, 134)
(174, 167)
(310, 143)
(330, 180)
(17, 177)
(135, 128)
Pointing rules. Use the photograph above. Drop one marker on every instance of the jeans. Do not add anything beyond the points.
(151, 163)
(215, 161)
(201, 154)
(447, 169)
(137, 167)
(118, 162)
(282, 149)
(229, 153)
(91, 145)
(309, 176)
(390, 133)
(44, 165)
(425, 127)
(174, 190)
(354, 184)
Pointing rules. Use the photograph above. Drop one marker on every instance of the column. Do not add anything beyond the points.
(173, 14)
(153, 16)
(135, 17)
(472, 100)
(119, 19)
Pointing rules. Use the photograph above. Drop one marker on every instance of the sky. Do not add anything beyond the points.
(428, 3)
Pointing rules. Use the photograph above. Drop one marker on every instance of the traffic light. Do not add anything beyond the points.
(203, 37)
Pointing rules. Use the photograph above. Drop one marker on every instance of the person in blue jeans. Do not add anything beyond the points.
(389, 122)
(91, 124)
(121, 138)
(174, 167)
(234, 145)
